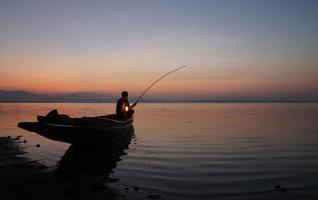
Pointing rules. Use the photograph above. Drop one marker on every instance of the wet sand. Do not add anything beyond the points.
(22, 178)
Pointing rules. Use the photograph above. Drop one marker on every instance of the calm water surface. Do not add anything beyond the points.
(200, 151)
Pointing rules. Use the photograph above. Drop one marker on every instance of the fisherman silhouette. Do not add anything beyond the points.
(123, 109)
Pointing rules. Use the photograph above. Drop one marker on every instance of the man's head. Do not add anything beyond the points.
(124, 94)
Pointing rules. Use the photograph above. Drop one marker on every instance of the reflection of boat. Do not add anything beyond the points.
(95, 159)
(78, 130)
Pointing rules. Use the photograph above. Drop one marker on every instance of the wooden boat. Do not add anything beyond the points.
(79, 130)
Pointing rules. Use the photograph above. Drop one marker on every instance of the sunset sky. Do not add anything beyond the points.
(231, 48)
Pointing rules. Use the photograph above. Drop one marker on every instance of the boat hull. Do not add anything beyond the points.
(83, 130)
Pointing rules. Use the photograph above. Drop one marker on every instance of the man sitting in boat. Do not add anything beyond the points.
(123, 109)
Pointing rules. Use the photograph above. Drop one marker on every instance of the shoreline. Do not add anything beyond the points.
(22, 178)
(167, 102)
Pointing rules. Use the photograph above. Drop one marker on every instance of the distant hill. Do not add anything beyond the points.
(90, 97)
(24, 96)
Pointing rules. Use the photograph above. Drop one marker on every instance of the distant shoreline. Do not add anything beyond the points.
(89, 97)
(149, 102)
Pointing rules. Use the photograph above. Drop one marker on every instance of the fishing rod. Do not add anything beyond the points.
(156, 82)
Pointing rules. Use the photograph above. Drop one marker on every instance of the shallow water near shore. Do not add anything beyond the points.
(200, 151)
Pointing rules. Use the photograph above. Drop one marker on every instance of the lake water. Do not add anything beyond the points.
(200, 151)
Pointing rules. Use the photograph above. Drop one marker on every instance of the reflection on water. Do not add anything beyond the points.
(97, 159)
(199, 151)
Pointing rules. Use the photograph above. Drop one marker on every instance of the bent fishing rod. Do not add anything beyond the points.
(156, 82)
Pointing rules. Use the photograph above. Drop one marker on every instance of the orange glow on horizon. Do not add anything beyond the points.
(85, 75)
(168, 88)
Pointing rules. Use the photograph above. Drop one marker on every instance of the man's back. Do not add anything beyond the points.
(119, 111)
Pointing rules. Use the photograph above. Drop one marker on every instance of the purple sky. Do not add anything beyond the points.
(236, 48)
